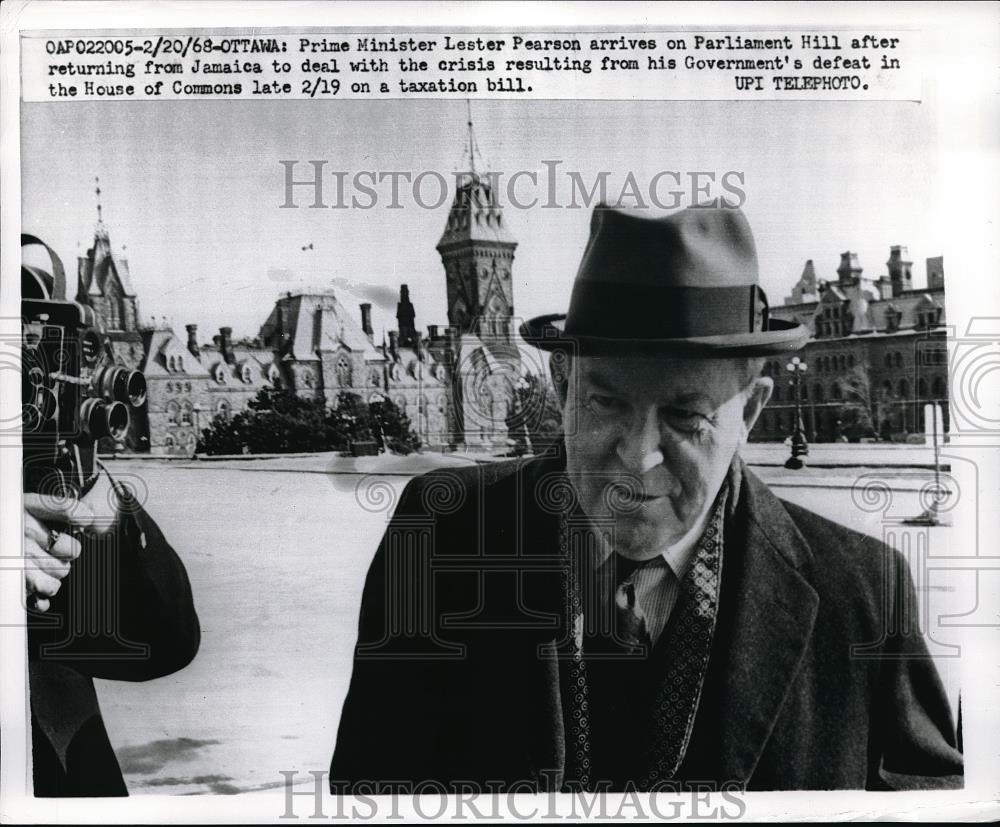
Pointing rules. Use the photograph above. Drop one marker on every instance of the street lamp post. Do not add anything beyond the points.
(800, 447)
(197, 426)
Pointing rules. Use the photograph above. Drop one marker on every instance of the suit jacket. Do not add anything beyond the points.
(456, 679)
(124, 612)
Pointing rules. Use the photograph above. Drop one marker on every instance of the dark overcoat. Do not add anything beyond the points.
(124, 612)
(818, 678)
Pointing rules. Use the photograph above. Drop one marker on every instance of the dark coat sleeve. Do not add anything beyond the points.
(388, 723)
(912, 719)
(125, 610)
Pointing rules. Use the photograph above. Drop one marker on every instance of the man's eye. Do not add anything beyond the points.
(687, 421)
(604, 405)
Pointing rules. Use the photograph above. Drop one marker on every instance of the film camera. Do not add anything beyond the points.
(72, 392)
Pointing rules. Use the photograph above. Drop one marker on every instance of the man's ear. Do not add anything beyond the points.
(758, 393)
(559, 367)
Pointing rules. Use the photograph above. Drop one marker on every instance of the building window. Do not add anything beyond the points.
(168, 442)
(343, 372)
(888, 360)
(173, 412)
(904, 388)
(835, 393)
(921, 388)
(897, 359)
(850, 361)
(887, 388)
(170, 387)
(245, 374)
(220, 373)
(187, 414)
(818, 392)
(222, 409)
(187, 387)
(939, 389)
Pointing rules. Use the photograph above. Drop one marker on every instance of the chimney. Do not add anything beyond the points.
(366, 320)
(935, 273)
(900, 269)
(192, 330)
(226, 345)
(405, 316)
(849, 270)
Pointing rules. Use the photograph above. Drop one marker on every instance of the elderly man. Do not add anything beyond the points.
(639, 611)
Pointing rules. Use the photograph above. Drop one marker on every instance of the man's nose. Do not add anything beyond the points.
(639, 447)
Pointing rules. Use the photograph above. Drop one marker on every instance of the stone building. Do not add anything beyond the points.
(877, 353)
(455, 383)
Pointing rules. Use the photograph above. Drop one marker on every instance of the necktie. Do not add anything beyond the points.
(630, 621)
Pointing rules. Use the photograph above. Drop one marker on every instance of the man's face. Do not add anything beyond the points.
(649, 441)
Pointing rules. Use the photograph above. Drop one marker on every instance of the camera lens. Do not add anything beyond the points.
(92, 417)
(136, 388)
(112, 384)
(116, 419)
(90, 345)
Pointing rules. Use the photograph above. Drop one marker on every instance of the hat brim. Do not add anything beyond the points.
(547, 333)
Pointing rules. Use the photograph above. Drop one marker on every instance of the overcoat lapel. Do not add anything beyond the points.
(774, 614)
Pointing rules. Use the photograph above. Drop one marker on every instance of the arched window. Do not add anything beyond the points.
(921, 388)
(344, 379)
(850, 361)
(776, 395)
(180, 363)
(168, 442)
(818, 392)
(171, 364)
(904, 388)
(223, 409)
(187, 414)
(897, 359)
(173, 412)
(805, 392)
(888, 360)
(843, 362)
(939, 388)
(835, 393)
(887, 387)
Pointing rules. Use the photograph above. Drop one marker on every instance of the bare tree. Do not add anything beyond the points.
(862, 406)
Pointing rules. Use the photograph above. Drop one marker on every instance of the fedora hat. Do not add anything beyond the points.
(685, 282)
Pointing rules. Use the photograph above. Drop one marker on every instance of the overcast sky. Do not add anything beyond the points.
(194, 190)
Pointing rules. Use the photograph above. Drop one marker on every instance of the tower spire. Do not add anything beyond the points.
(472, 138)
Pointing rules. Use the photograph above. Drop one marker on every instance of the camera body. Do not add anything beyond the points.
(72, 392)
